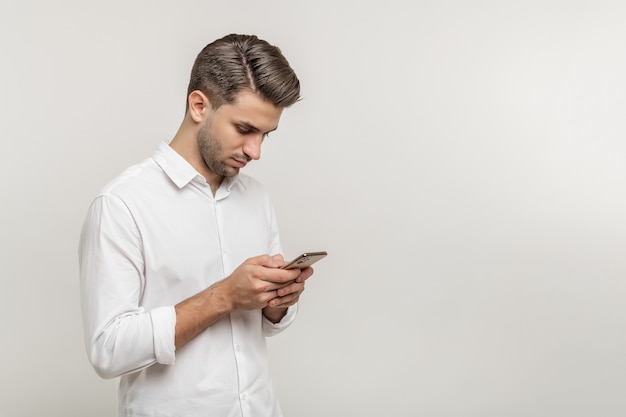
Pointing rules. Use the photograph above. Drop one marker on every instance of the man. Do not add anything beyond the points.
(180, 255)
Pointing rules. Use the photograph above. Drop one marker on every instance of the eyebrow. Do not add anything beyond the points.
(253, 127)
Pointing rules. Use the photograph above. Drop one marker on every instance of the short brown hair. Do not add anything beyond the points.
(237, 62)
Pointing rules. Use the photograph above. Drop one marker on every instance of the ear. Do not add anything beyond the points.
(199, 106)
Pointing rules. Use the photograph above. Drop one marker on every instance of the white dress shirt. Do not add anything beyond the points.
(153, 237)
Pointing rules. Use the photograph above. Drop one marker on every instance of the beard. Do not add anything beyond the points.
(211, 151)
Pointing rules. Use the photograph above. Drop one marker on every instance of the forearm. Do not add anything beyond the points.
(197, 313)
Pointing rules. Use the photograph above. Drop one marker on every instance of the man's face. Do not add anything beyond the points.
(232, 135)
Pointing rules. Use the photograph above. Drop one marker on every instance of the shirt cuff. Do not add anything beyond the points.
(163, 329)
(271, 329)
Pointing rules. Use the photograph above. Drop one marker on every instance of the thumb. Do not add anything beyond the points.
(275, 261)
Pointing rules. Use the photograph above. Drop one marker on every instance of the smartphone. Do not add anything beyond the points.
(305, 260)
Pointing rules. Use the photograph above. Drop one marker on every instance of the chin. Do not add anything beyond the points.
(230, 172)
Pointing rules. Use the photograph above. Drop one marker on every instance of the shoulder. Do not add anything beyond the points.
(132, 178)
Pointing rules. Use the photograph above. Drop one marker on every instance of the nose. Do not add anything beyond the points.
(252, 147)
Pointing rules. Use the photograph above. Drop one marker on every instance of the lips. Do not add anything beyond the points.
(240, 163)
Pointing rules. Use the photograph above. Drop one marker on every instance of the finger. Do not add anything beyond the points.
(278, 276)
(305, 274)
(286, 301)
(268, 286)
(261, 260)
(287, 295)
(278, 261)
(296, 287)
(274, 261)
(269, 296)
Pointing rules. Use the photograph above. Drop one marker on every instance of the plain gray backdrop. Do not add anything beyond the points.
(463, 163)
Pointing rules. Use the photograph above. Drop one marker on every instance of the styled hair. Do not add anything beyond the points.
(237, 62)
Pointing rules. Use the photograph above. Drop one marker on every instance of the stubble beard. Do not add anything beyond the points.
(211, 151)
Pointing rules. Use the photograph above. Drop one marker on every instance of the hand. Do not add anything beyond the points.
(287, 296)
(259, 280)
(290, 293)
(253, 285)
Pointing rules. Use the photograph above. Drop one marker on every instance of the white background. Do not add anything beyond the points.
(463, 163)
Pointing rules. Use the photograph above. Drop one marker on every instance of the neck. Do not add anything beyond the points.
(185, 143)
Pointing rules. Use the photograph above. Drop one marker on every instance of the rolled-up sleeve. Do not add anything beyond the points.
(164, 325)
(120, 337)
(271, 329)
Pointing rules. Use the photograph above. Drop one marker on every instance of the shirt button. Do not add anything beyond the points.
(238, 348)
(244, 397)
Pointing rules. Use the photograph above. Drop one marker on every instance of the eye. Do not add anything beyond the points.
(243, 130)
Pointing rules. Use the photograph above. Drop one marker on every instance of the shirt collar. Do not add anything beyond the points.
(180, 171)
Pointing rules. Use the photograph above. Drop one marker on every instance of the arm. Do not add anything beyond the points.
(120, 336)
(258, 283)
